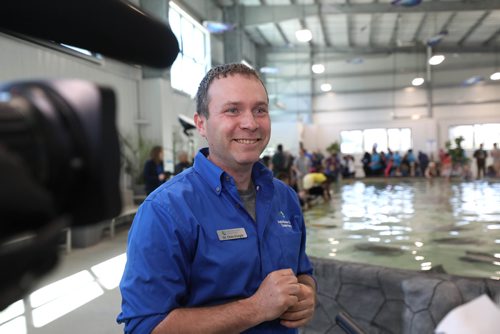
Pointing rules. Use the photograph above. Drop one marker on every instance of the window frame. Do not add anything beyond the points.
(193, 60)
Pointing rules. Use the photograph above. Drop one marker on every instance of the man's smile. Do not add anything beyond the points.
(246, 141)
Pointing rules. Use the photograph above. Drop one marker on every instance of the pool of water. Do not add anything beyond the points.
(411, 224)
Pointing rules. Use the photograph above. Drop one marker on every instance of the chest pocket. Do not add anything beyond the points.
(288, 241)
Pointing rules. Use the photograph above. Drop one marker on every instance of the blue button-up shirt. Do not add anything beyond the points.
(176, 255)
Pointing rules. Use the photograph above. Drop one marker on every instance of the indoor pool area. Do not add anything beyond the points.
(413, 224)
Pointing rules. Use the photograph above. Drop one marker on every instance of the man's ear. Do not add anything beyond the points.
(200, 122)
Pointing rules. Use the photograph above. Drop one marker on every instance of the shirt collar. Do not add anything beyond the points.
(213, 174)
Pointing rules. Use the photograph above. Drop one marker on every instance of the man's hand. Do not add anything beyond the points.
(299, 314)
(277, 293)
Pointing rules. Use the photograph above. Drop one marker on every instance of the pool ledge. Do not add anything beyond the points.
(387, 300)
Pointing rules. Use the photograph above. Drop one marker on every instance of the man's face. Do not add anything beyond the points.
(238, 127)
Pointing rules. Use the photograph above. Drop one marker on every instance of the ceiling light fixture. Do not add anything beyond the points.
(417, 81)
(303, 35)
(269, 70)
(318, 68)
(326, 87)
(495, 76)
(436, 60)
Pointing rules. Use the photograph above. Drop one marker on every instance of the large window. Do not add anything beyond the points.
(359, 141)
(476, 134)
(193, 60)
(351, 141)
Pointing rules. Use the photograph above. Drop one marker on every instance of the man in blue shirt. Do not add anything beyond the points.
(220, 248)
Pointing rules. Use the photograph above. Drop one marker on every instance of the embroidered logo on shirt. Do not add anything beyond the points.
(285, 223)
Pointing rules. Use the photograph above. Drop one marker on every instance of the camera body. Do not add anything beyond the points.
(59, 149)
(59, 166)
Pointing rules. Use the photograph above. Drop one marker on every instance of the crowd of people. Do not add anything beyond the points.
(154, 172)
(311, 173)
(293, 170)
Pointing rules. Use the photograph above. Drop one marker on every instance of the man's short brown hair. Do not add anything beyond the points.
(223, 71)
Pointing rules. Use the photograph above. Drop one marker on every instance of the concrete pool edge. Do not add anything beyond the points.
(388, 300)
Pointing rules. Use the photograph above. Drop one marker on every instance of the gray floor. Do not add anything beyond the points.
(96, 316)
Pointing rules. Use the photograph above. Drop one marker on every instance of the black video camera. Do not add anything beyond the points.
(59, 166)
(59, 150)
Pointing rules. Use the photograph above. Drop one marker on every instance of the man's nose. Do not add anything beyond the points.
(248, 120)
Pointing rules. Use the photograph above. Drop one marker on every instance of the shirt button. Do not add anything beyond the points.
(217, 189)
(258, 187)
(227, 178)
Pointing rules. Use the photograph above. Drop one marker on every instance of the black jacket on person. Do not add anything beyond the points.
(151, 173)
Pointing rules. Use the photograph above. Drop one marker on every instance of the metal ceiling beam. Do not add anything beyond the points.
(282, 34)
(323, 29)
(485, 48)
(349, 31)
(420, 27)
(371, 26)
(276, 25)
(405, 70)
(448, 22)
(490, 39)
(259, 32)
(473, 28)
(395, 29)
(402, 107)
(276, 13)
(371, 90)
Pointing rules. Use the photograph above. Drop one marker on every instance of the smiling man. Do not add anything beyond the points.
(220, 248)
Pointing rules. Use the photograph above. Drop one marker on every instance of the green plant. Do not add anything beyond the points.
(457, 153)
(333, 148)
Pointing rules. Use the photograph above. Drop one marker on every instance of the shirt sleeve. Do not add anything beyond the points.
(157, 271)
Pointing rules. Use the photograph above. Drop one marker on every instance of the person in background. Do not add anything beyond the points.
(480, 155)
(389, 165)
(396, 163)
(446, 166)
(348, 170)
(301, 167)
(423, 162)
(280, 161)
(182, 164)
(220, 248)
(154, 173)
(317, 184)
(376, 163)
(366, 160)
(495, 154)
(431, 170)
(266, 161)
(412, 162)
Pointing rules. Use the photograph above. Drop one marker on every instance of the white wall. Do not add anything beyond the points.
(21, 60)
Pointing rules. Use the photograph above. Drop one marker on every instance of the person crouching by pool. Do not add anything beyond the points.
(316, 185)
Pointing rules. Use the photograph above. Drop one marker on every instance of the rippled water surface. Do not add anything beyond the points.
(411, 224)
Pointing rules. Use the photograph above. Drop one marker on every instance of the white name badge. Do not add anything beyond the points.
(233, 233)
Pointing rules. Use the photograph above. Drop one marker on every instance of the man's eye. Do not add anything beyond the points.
(232, 110)
(261, 111)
